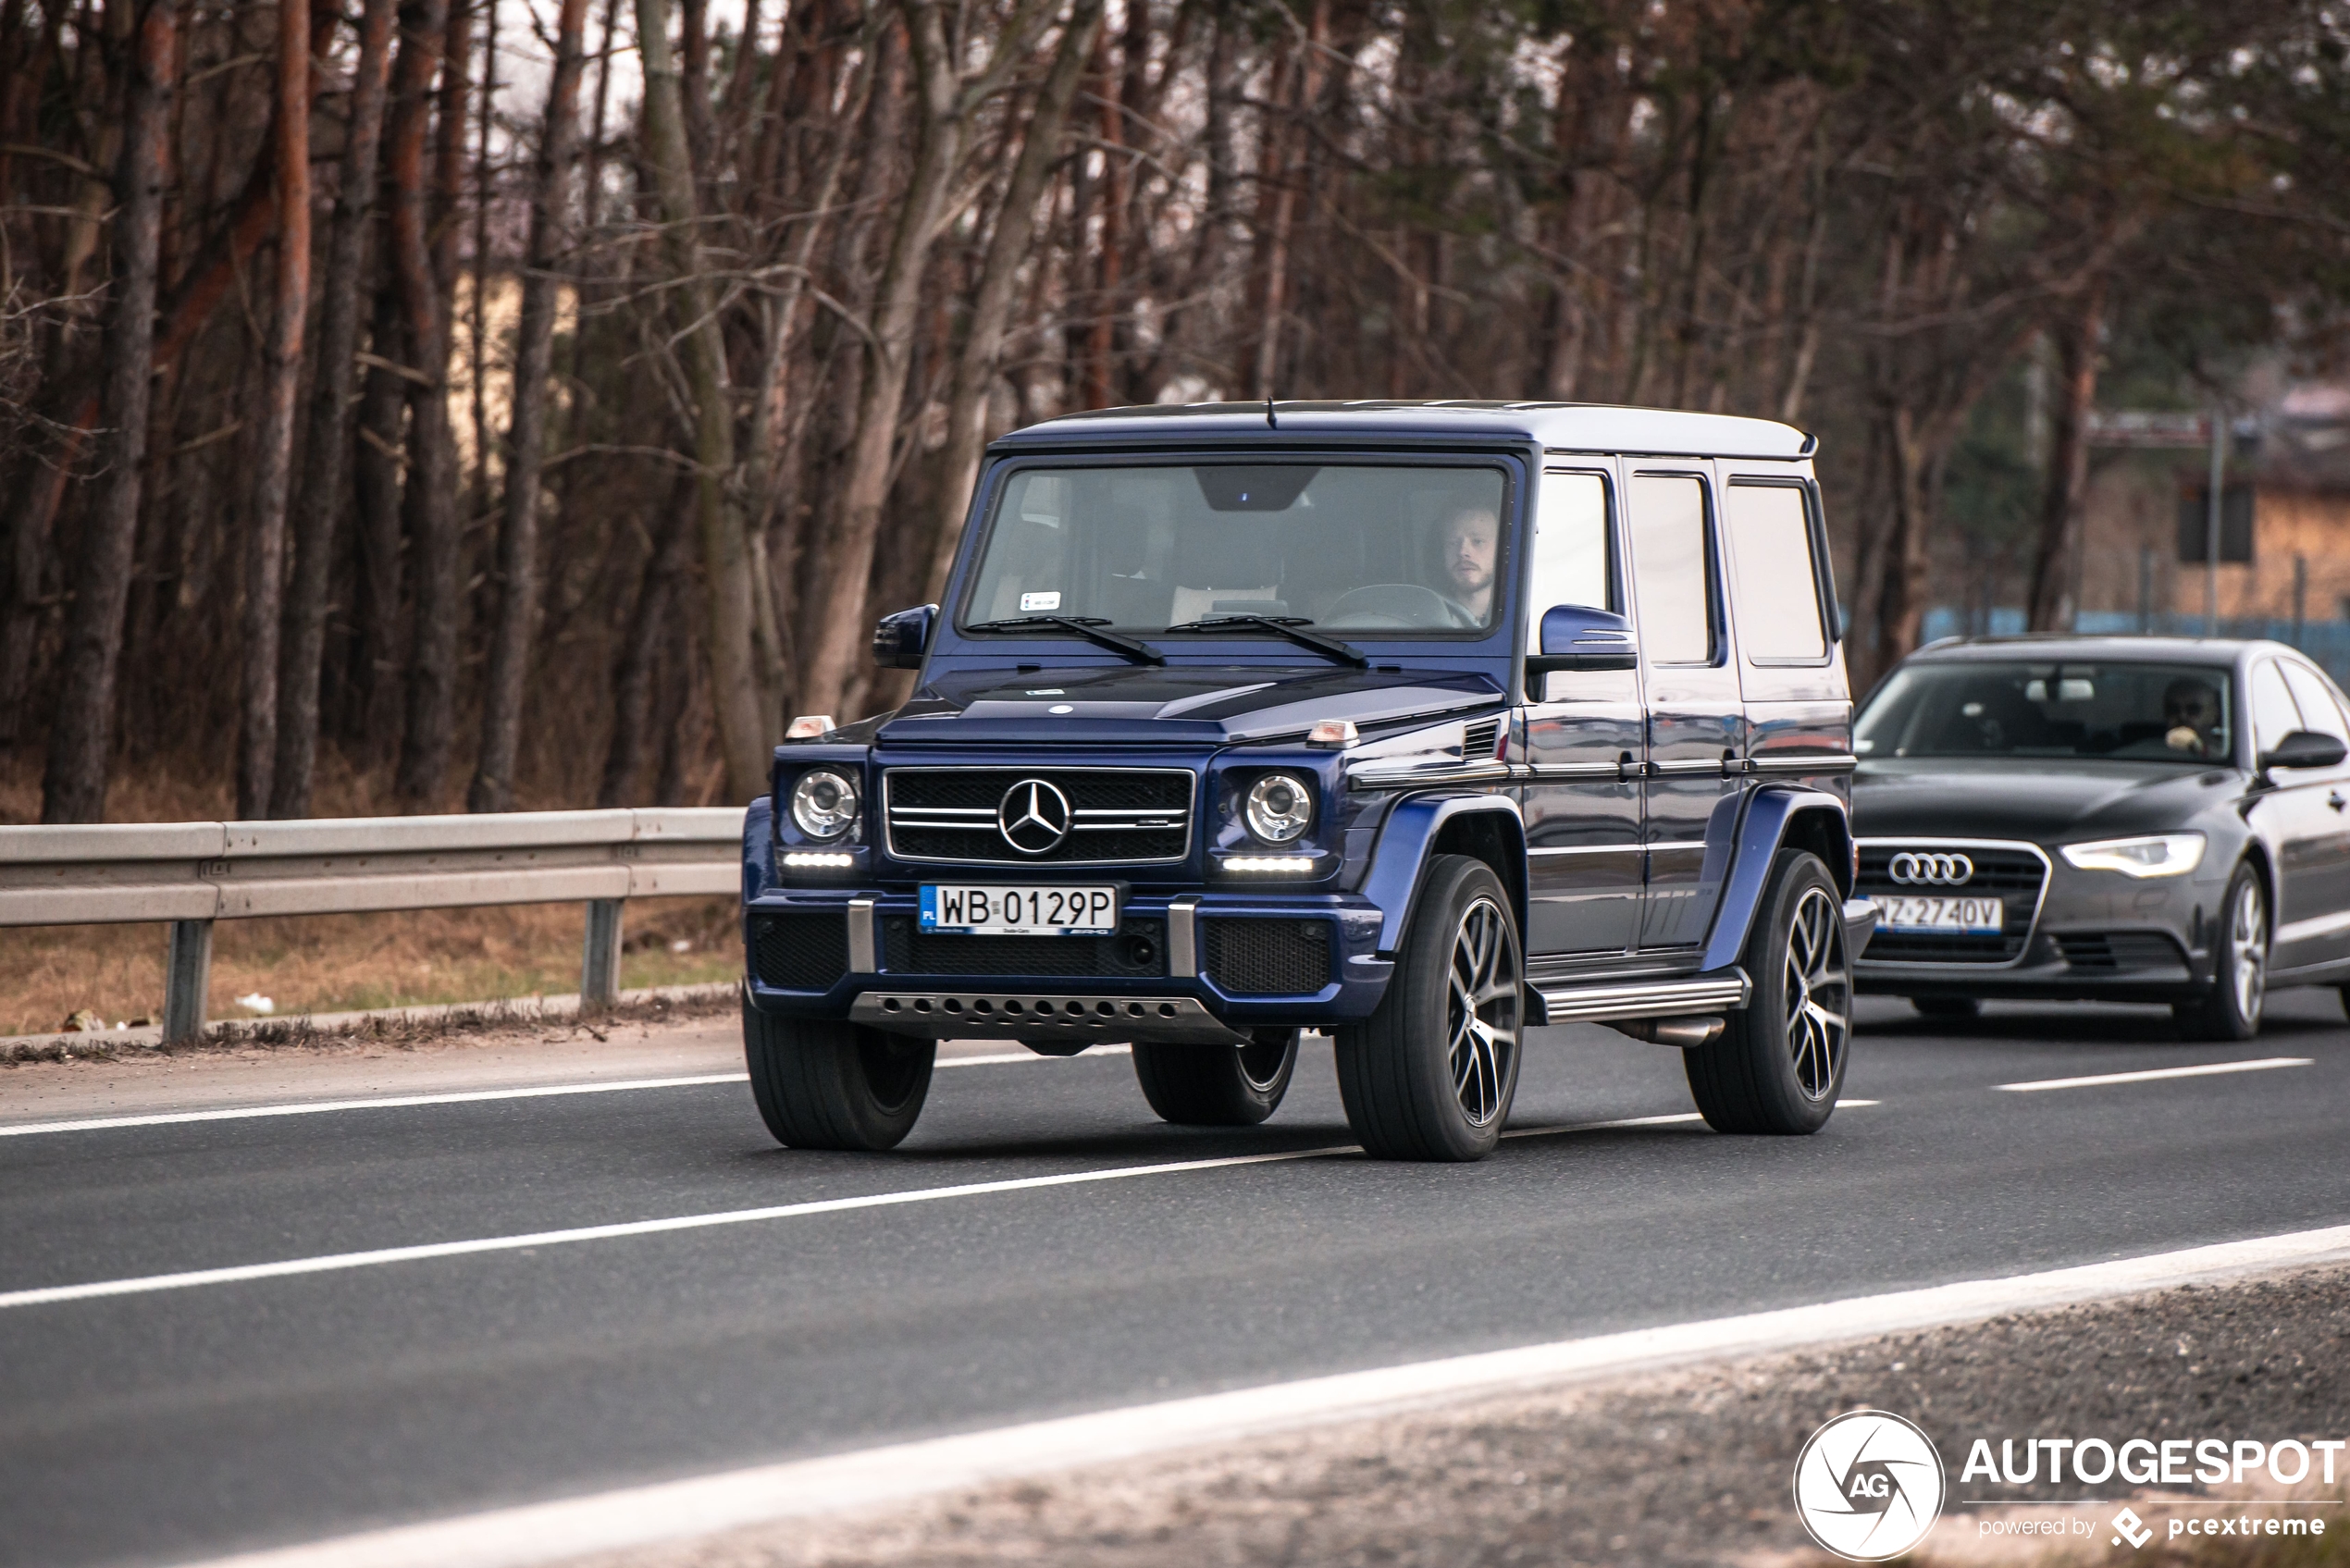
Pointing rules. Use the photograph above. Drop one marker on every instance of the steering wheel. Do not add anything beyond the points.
(1396, 604)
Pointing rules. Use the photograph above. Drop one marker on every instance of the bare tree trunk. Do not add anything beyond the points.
(493, 781)
(74, 784)
(840, 607)
(326, 447)
(743, 711)
(1007, 250)
(2055, 562)
(632, 680)
(429, 501)
(272, 451)
(379, 464)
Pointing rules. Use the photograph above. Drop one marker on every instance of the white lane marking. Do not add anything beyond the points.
(516, 1538)
(332, 1263)
(2206, 1070)
(461, 1097)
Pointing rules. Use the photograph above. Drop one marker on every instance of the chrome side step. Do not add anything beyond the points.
(1715, 992)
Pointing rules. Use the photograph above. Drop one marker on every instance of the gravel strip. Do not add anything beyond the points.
(1692, 1467)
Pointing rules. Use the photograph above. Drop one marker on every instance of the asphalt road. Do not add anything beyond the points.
(174, 1424)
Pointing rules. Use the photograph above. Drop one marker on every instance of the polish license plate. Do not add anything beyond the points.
(1981, 916)
(995, 909)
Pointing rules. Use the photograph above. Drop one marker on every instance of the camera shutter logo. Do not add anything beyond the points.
(1034, 817)
(1946, 870)
(1869, 1486)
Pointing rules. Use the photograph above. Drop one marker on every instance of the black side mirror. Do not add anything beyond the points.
(2305, 749)
(900, 640)
(1576, 637)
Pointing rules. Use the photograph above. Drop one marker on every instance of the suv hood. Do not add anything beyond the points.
(1188, 705)
(2047, 802)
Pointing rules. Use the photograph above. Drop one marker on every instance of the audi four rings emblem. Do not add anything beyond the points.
(1034, 817)
(1948, 870)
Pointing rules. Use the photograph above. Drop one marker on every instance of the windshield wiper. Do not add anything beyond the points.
(1086, 626)
(1289, 626)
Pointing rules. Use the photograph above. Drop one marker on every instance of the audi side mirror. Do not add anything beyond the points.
(1576, 637)
(2305, 749)
(900, 640)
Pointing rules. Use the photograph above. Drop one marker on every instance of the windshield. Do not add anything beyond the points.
(2151, 712)
(1367, 548)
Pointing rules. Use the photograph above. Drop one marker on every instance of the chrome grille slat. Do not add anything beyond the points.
(1118, 816)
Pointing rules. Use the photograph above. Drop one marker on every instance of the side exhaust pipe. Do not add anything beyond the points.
(1680, 1033)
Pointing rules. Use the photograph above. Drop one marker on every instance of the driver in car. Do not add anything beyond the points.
(2191, 717)
(1468, 546)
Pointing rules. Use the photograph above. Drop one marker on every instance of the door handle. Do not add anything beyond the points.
(2334, 798)
(1627, 769)
(1734, 766)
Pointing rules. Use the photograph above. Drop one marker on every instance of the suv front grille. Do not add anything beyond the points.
(2015, 875)
(1267, 957)
(1137, 951)
(799, 952)
(1118, 816)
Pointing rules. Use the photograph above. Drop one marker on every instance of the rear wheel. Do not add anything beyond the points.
(2231, 1008)
(1430, 1074)
(1952, 1008)
(1779, 1064)
(822, 1083)
(1218, 1085)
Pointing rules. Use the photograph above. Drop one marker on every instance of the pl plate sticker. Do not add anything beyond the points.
(1868, 1485)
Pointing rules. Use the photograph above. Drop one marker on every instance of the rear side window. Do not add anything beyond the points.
(1572, 561)
(1773, 575)
(2273, 714)
(1672, 569)
(2319, 711)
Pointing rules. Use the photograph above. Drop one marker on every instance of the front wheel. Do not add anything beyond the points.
(1779, 1064)
(1218, 1085)
(822, 1083)
(2229, 1011)
(1430, 1074)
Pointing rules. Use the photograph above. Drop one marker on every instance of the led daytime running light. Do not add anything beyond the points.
(1275, 864)
(819, 859)
(2159, 855)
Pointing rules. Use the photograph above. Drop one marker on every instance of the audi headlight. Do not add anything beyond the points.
(824, 804)
(2160, 855)
(1280, 806)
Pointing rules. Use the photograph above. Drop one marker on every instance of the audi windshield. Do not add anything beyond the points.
(1412, 550)
(2136, 713)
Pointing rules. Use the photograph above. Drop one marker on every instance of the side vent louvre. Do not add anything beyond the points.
(1478, 740)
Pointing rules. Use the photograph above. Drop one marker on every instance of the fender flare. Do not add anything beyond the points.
(1770, 812)
(758, 847)
(1393, 881)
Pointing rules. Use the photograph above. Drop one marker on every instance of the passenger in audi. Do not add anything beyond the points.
(2191, 708)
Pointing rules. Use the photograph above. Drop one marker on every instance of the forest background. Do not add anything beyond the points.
(424, 405)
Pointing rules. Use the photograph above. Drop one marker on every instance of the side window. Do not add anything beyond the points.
(1773, 574)
(2273, 714)
(1672, 569)
(2317, 705)
(1571, 562)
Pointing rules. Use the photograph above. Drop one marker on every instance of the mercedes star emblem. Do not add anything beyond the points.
(1034, 817)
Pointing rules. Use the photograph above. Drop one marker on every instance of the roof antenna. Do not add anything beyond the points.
(1270, 422)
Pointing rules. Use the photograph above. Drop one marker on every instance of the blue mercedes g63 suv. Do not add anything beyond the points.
(1418, 725)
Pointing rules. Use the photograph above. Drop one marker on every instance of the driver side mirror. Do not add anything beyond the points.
(900, 640)
(2305, 749)
(1576, 637)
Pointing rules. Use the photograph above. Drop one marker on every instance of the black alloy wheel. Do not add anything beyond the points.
(1430, 1074)
(1778, 1065)
(825, 1083)
(2229, 1008)
(1218, 1085)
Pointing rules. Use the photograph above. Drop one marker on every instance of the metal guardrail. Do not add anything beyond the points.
(194, 873)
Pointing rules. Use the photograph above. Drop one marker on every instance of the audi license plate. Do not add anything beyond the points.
(1977, 915)
(994, 909)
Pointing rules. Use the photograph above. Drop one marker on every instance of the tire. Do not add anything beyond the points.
(1778, 1065)
(1218, 1085)
(2230, 1009)
(822, 1083)
(1946, 1008)
(1425, 1077)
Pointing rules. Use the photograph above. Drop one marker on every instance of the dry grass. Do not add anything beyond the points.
(343, 963)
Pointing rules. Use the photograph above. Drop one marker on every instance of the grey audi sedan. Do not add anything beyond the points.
(2129, 819)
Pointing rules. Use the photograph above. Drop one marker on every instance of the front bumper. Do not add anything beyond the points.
(1179, 995)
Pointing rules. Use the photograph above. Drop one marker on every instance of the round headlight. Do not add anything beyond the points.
(824, 804)
(1280, 806)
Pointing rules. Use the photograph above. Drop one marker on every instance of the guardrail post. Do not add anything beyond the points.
(599, 969)
(187, 971)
